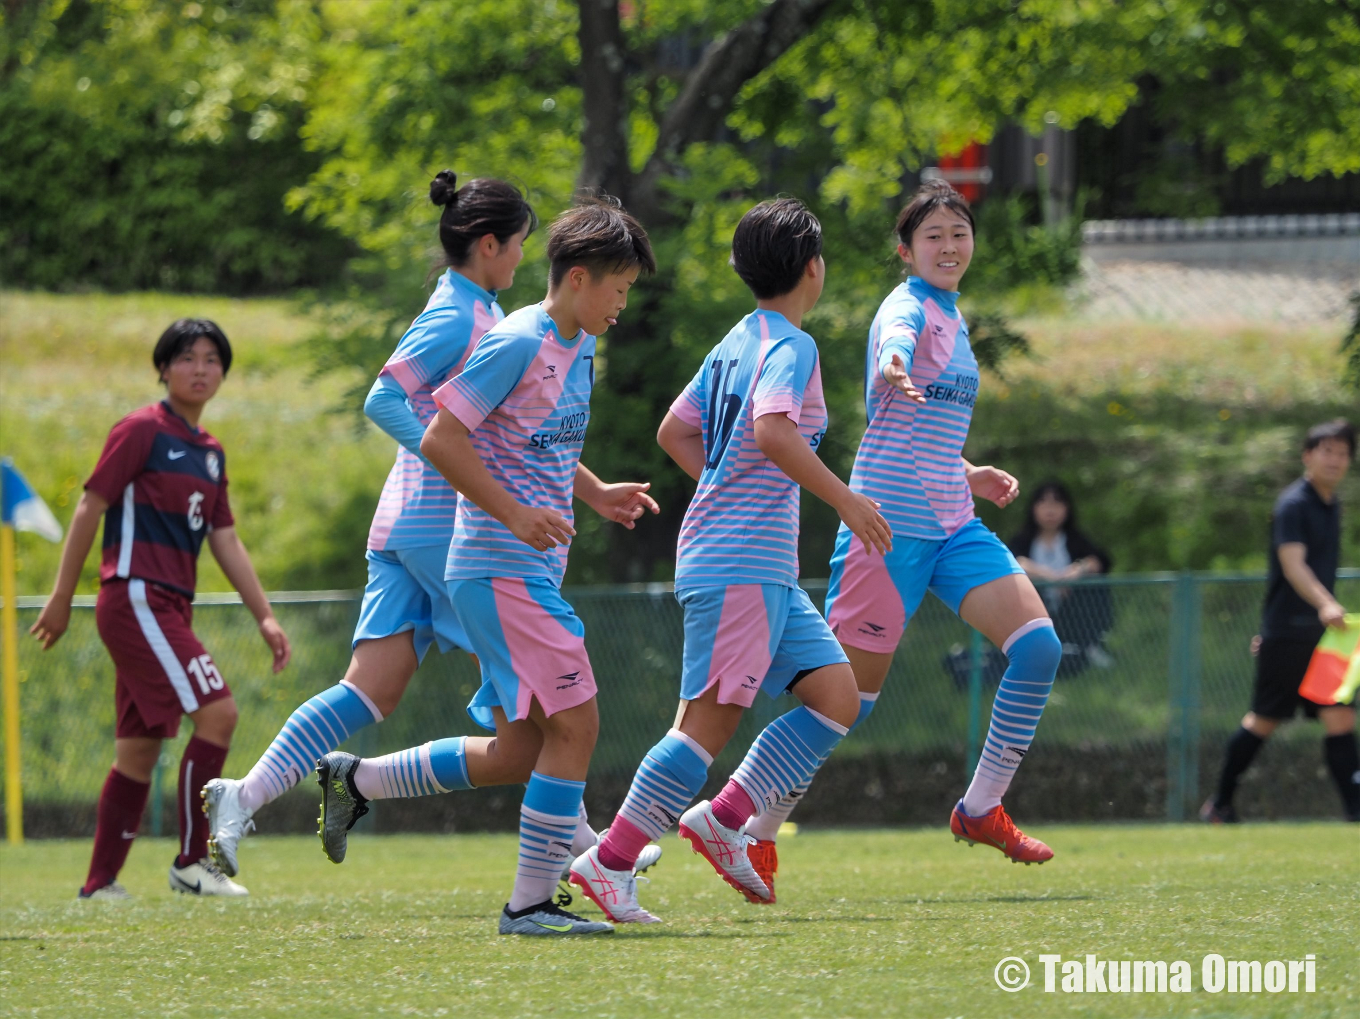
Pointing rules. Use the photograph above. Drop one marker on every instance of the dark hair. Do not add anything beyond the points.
(1339, 428)
(600, 235)
(182, 335)
(931, 195)
(480, 207)
(773, 244)
(1029, 529)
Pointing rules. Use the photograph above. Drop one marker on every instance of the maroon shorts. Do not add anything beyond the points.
(161, 669)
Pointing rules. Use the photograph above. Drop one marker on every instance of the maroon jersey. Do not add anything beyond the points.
(166, 485)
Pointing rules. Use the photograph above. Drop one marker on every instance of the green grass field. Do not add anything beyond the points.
(879, 923)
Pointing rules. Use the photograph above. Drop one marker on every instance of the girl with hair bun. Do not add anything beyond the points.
(482, 228)
(921, 382)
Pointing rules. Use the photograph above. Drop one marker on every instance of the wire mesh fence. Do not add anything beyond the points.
(1156, 673)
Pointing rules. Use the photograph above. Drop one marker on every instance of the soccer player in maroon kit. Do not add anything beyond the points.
(161, 486)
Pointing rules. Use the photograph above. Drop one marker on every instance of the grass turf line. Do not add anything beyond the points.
(878, 923)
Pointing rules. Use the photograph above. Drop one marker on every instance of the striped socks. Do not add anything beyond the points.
(316, 728)
(431, 768)
(1034, 652)
(766, 826)
(548, 819)
(668, 779)
(787, 752)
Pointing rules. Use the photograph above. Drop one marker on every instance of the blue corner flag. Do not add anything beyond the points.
(24, 509)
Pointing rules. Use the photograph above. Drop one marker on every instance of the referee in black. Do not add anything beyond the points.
(1305, 545)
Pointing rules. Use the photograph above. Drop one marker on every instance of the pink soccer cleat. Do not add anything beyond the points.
(995, 828)
(614, 891)
(725, 849)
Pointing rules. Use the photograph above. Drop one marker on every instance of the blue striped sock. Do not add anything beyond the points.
(317, 727)
(766, 826)
(547, 824)
(426, 770)
(666, 782)
(1034, 652)
(787, 751)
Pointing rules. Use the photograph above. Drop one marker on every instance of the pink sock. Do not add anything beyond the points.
(733, 806)
(622, 846)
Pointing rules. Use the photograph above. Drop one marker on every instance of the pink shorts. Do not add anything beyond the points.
(530, 644)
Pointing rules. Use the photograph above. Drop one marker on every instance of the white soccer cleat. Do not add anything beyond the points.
(614, 891)
(203, 878)
(228, 822)
(724, 848)
(112, 892)
(647, 859)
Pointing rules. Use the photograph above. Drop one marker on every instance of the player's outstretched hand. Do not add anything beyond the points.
(277, 640)
(861, 514)
(623, 502)
(540, 528)
(52, 621)
(993, 484)
(895, 374)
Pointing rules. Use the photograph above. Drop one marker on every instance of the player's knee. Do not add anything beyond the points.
(216, 722)
(831, 692)
(1036, 649)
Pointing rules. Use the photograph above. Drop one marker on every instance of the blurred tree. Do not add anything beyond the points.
(148, 144)
(691, 110)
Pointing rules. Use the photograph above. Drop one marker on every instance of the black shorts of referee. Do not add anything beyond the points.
(1280, 665)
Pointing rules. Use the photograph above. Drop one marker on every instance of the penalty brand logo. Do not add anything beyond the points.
(1217, 975)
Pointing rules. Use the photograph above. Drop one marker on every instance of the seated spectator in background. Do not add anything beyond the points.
(1051, 548)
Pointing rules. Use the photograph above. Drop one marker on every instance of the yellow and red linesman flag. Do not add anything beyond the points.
(1333, 674)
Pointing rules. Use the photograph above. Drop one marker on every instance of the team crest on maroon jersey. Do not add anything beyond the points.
(214, 465)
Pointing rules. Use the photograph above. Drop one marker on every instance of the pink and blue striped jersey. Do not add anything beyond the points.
(417, 505)
(525, 398)
(911, 457)
(742, 524)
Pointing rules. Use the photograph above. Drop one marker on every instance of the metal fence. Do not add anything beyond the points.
(1156, 673)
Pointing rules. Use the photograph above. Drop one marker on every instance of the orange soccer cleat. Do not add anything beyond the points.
(764, 857)
(995, 828)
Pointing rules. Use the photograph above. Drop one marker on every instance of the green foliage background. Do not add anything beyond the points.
(239, 146)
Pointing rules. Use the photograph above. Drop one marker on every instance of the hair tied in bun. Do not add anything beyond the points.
(444, 188)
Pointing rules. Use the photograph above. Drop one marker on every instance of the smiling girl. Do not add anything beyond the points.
(921, 382)
(161, 486)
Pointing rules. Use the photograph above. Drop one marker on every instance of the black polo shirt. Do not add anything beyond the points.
(1300, 516)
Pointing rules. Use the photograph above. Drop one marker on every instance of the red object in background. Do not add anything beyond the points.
(967, 171)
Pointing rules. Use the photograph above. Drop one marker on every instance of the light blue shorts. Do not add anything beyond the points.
(748, 637)
(529, 643)
(871, 596)
(406, 591)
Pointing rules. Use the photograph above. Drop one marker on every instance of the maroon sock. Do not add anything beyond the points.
(121, 803)
(202, 762)
(733, 806)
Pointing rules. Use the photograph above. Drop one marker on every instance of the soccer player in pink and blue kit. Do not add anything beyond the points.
(921, 382)
(746, 428)
(508, 437)
(405, 609)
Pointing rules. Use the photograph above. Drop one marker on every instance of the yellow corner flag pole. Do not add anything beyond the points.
(9, 621)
